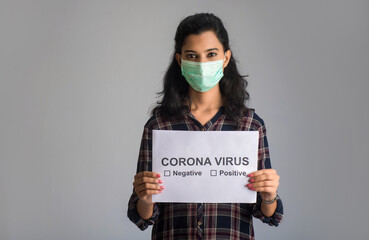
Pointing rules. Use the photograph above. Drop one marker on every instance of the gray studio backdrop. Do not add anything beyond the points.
(77, 79)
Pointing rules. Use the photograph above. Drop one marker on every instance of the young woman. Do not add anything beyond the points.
(203, 91)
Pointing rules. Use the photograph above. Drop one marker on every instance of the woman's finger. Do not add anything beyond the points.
(147, 192)
(262, 171)
(264, 177)
(149, 186)
(147, 174)
(265, 189)
(262, 184)
(147, 180)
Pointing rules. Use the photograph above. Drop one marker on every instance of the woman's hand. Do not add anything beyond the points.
(146, 184)
(265, 181)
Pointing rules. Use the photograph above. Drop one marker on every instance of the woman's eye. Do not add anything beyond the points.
(190, 56)
(212, 54)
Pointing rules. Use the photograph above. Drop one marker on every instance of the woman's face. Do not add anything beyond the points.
(203, 47)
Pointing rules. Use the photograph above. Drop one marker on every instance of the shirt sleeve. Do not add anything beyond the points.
(264, 163)
(144, 164)
(273, 220)
(136, 218)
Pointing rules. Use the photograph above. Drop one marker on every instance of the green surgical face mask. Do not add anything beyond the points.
(202, 76)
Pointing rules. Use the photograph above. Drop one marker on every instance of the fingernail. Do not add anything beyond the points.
(250, 175)
(160, 181)
(251, 180)
(159, 190)
(252, 188)
(249, 185)
(162, 187)
(158, 175)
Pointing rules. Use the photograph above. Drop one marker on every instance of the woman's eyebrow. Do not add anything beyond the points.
(210, 49)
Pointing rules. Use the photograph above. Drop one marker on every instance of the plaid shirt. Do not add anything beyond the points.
(203, 220)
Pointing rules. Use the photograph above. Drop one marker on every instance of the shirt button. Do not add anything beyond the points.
(199, 223)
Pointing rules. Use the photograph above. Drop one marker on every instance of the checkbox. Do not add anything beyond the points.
(213, 173)
(166, 173)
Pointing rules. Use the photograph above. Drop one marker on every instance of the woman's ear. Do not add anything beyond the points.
(228, 55)
(178, 58)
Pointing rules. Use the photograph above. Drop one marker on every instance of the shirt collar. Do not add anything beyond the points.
(215, 118)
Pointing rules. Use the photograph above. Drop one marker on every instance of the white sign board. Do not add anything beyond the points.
(205, 166)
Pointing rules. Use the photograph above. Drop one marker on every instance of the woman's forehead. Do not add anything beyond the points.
(201, 42)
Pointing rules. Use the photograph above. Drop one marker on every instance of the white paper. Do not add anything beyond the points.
(205, 166)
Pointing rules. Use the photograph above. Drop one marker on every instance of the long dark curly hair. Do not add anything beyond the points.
(175, 91)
